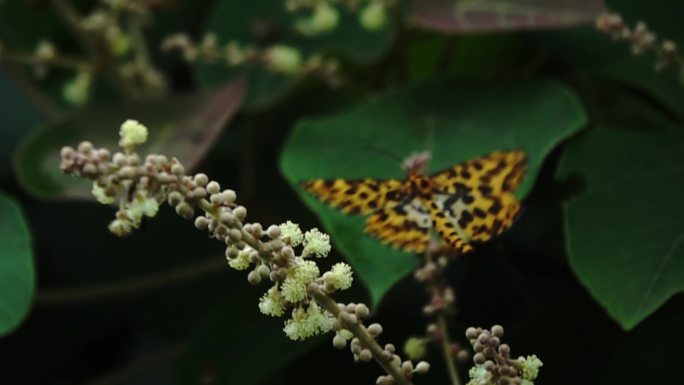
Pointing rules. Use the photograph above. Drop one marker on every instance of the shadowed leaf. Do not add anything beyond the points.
(184, 127)
(625, 236)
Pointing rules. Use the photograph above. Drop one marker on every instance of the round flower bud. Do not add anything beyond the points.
(494, 342)
(361, 310)
(365, 355)
(385, 380)
(175, 198)
(216, 199)
(273, 232)
(201, 223)
(483, 338)
(471, 333)
(178, 169)
(263, 271)
(375, 329)
(287, 252)
(240, 213)
(253, 278)
(229, 196)
(422, 367)
(339, 342)
(257, 230)
(199, 192)
(497, 331)
(479, 359)
(201, 179)
(66, 152)
(505, 350)
(235, 235)
(213, 187)
(85, 147)
(390, 348)
(407, 366)
(227, 218)
(283, 59)
(232, 252)
(185, 210)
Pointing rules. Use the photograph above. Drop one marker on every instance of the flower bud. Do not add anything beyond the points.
(422, 367)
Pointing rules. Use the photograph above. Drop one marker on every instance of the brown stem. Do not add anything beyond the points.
(361, 333)
(446, 350)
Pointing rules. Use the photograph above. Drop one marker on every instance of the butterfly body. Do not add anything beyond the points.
(469, 202)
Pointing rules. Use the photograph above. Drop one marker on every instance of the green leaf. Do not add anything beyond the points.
(455, 122)
(625, 235)
(451, 16)
(263, 24)
(239, 345)
(17, 278)
(184, 127)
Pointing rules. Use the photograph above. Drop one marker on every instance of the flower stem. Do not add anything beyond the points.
(361, 333)
(446, 350)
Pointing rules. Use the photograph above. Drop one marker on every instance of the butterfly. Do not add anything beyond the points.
(466, 203)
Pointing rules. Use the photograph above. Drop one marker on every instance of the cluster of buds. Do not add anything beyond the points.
(281, 254)
(324, 15)
(642, 40)
(347, 324)
(138, 188)
(115, 25)
(279, 58)
(493, 362)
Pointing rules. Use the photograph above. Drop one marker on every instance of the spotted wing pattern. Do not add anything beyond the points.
(362, 196)
(402, 224)
(474, 201)
(471, 201)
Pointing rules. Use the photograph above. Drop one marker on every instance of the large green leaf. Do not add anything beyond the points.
(625, 235)
(17, 278)
(184, 127)
(264, 23)
(453, 121)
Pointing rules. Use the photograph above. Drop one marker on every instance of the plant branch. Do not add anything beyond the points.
(446, 350)
(361, 333)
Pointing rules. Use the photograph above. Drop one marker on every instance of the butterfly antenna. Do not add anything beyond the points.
(384, 152)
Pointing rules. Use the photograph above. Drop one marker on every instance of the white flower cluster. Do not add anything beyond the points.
(290, 289)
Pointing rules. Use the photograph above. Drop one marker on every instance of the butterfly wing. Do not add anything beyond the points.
(361, 196)
(474, 201)
(397, 219)
(403, 224)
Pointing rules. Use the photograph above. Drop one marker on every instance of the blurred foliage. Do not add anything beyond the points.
(586, 278)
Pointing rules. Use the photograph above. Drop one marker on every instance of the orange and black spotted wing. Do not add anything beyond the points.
(361, 196)
(397, 219)
(474, 201)
(403, 224)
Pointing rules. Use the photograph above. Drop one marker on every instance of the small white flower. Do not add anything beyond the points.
(531, 366)
(311, 322)
(301, 275)
(120, 227)
(132, 133)
(316, 243)
(99, 194)
(479, 376)
(290, 232)
(241, 262)
(141, 206)
(272, 303)
(339, 277)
